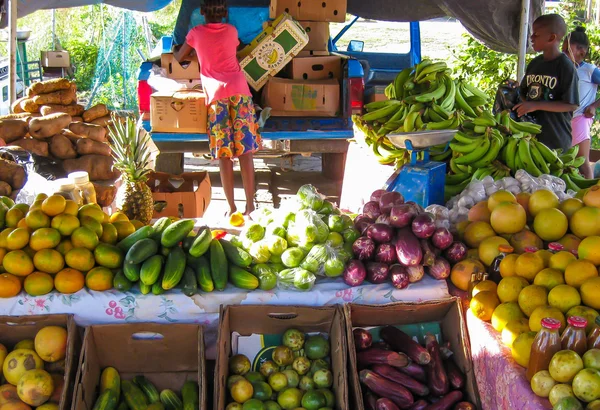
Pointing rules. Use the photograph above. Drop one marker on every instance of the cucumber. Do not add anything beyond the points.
(218, 265)
(156, 406)
(236, 255)
(202, 269)
(110, 380)
(201, 242)
(135, 398)
(123, 406)
(174, 268)
(175, 232)
(145, 289)
(106, 401)
(148, 388)
(242, 279)
(142, 233)
(159, 227)
(121, 283)
(132, 272)
(188, 282)
(171, 400)
(150, 270)
(191, 395)
(141, 251)
(157, 289)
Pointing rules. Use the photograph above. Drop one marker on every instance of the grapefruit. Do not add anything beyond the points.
(542, 199)
(564, 365)
(592, 197)
(532, 297)
(483, 305)
(476, 232)
(479, 212)
(525, 239)
(509, 288)
(589, 249)
(460, 276)
(513, 329)
(549, 278)
(564, 297)
(585, 222)
(550, 224)
(545, 255)
(523, 200)
(590, 289)
(579, 271)
(508, 218)
(521, 348)
(35, 387)
(570, 242)
(507, 265)
(488, 249)
(504, 313)
(498, 197)
(18, 362)
(528, 265)
(569, 206)
(51, 343)
(560, 260)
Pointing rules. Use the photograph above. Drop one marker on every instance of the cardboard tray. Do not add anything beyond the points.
(448, 314)
(167, 354)
(262, 319)
(184, 196)
(13, 329)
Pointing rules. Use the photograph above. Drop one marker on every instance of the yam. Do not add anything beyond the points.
(77, 119)
(86, 146)
(62, 97)
(21, 115)
(32, 145)
(97, 111)
(13, 129)
(62, 147)
(15, 107)
(74, 110)
(105, 194)
(12, 173)
(49, 125)
(48, 86)
(28, 105)
(5, 189)
(71, 136)
(102, 121)
(91, 131)
(99, 167)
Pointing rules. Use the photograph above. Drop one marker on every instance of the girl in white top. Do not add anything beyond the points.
(576, 47)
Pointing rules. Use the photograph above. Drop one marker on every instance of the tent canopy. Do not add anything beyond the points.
(494, 22)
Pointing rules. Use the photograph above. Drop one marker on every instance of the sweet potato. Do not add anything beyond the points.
(12, 173)
(11, 130)
(15, 107)
(61, 147)
(77, 119)
(32, 145)
(21, 115)
(74, 110)
(5, 189)
(28, 105)
(62, 97)
(48, 86)
(99, 167)
(86, 146)
(91, 131)
(49, 125)
(71, 136)
(105, 194)
(102, 121)
(97, 111)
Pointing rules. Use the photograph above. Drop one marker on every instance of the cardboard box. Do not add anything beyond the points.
(53, 59)
(184, 111)
(316, 68)
(313, 53)
(271, 50)
(184, 196)
(168, 355)
(262, 319)
(186, 70)
(447, 314)
(318, 35)
(14, 329)
(297, 98)
(375, 93)
(326, 10)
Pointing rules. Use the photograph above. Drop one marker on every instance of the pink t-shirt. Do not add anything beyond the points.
(216, 45)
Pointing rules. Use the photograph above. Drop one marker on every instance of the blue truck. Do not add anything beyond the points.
(362, 72)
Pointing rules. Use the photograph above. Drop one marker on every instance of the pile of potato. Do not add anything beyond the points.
(48, 122)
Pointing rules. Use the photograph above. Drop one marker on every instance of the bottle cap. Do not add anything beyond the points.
(531, 249)
(577, 321)
(79, 177)
(551, 323)
(506, 249)
(555, 246)
(65, 184)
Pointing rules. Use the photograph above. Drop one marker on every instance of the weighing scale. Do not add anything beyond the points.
(420, 181)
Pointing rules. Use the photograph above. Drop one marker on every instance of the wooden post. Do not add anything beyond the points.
(12, 50)
(523, 38)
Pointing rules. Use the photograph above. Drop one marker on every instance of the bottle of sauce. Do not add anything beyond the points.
(66, 188)
(593, 341)
(545, 345)
(494, 270)
(82, 182)
(475, 279)
(574, 337)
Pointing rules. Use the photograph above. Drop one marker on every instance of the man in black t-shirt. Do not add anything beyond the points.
(549, 88)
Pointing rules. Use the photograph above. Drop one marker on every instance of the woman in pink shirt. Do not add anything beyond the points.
(232, 126)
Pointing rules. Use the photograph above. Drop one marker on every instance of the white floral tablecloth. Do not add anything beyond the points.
(91, 308)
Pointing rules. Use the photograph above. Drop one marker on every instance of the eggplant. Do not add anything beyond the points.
(355, 273)
(383, 219)
(370, 400)
(456, 378)
(386, 388)
(446, 402)
(401, 342)
(371, 209)
(423, 226)
(442, 238)
(428, 253)
(464, 405)
(399, 277)
(440, 269)
(377, 272)
(436, 374)
(402, 215)
(386, 404)
(362, 223)
(389, 200)
(362, 338)
(419, 405)
(446, 351)
(363, 248)
(456, 252)
(380, 233)
(415, 371)
(415, 273)
(380, 344)
(373, 356)
(416, 387)
(408, 248)
(386, 253)
(376, 195)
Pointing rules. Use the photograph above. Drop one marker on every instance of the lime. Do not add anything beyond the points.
(313, 400)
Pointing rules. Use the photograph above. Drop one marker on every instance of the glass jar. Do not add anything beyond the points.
(593, 341)
(574, 337)
(545, 345)
(66, 188)
(494, 270)
(81, 179)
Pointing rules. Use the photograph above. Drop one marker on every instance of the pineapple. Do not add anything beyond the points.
(130, 151)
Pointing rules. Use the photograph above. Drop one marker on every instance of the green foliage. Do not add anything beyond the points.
(83, 58)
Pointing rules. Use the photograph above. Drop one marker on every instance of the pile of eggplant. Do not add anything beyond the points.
(398, 373)
(400, 242)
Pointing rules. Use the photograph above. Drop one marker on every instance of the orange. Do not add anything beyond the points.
(570, 242)
(528, 265)
(483, 286)
(579, 271)
(585, 222)
(550, 224)
(17, 239)
(23, 207)
(37, 219)
(80, 258)
(3, 235)
(18, 263)
(564, 297)
(549, 278)
(483, 305)
(51, 343)
(84, 237)
(504, 313)
(507, 265)
(137, 224)
(49, 261)
(8, 392)
(590, 289)
(476, 232)
(488, 249)
(71, 208)
(524, 239)
(10, 285)
(509, 288)
(124, 229)
(479, 212)
(589, 249)
(38, 283)
(65, 224)
(64, 246)
(35, 387)
(93, 211)
(118, 216)
(532, 297)
(99, 279)
(498, 197)
(109, 234)
(44, 238)
(542, 199)
(30, 252)
(23, 224)
(54, 205)
(41, 197)
(69, 281)
(508, 218)
(13, 216)
(36, 206)
(560, 260)
(592, 197)
(513, 329)
(91, 223)
(545, 254)
(521, 348)
(570, 206)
